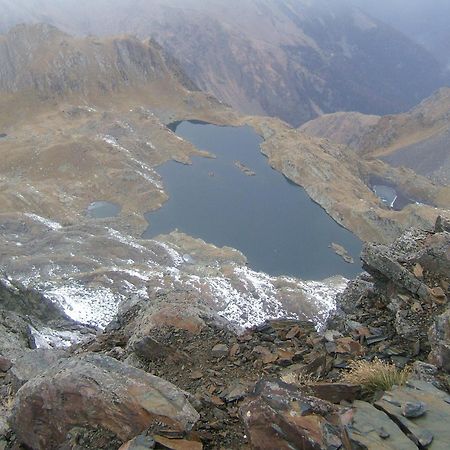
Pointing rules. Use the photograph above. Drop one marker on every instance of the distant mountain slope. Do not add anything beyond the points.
(424, 21)
(66, 101)
(418, 139)
(294, 59)
(42, 58)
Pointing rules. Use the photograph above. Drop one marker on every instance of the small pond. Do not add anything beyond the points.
(237, 199)
(102, 210)
(389, 194)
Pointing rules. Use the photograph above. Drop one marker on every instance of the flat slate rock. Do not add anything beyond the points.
(432, 427)
(372, 429)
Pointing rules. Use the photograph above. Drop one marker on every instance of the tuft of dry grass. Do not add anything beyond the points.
(299, 378)
(376, 375)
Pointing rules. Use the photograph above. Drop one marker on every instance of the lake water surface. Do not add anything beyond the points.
(271, 220)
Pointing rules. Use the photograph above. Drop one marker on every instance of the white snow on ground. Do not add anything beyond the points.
(260, 301)
(244, 297)
(58, 338)
(176, 257)
(324, 292)
(151, 180)
(146, 172)
(127, 240)
(243, 308)
(112, 141)
(47, 222)
(94, 306)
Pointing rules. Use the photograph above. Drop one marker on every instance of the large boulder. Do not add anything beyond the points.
(93, 390)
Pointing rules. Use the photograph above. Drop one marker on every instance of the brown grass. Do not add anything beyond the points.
(376, 375)
(299, 379)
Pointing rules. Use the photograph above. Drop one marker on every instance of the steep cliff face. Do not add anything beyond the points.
(418, 139)
(43, 59)
(290, 59)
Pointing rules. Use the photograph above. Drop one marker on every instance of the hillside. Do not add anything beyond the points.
(418, 139)
(51, 63)
(290, 59)
(101, 139)
(423, 21)
(112, 341)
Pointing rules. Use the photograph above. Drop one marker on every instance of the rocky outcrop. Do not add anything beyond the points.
(278, 415)
(29, 320)
(108, 398)
(372, 429)
(407, 295)
(95, 390)
(81, 66)
(376, 258)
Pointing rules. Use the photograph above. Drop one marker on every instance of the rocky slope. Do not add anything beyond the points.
(339, 179)
(418, 139)
(65, 149)
(86, 143)
(182, 383)
(289, 59)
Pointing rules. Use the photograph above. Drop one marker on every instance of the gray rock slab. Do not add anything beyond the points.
(372, 429)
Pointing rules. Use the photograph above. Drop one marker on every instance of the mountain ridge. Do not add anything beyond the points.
(310, 58)
(418, 139)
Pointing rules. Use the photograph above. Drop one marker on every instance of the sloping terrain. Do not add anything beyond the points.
(418, 139)
(67, 144)
(289, 59)
(423, 21)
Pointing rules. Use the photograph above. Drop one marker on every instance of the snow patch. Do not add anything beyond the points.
(95, 306)
(47, 222)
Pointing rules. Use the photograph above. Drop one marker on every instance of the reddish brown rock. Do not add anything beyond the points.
(294, 331)
(139, 443)
(94, 390)
(150, 350)
(178, 444)
(439, 295)
(335, 392)
(418, 271)
(278, 416)
(348, 345)
(5, 364)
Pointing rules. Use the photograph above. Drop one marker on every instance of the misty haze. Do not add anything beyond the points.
(224, 224)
